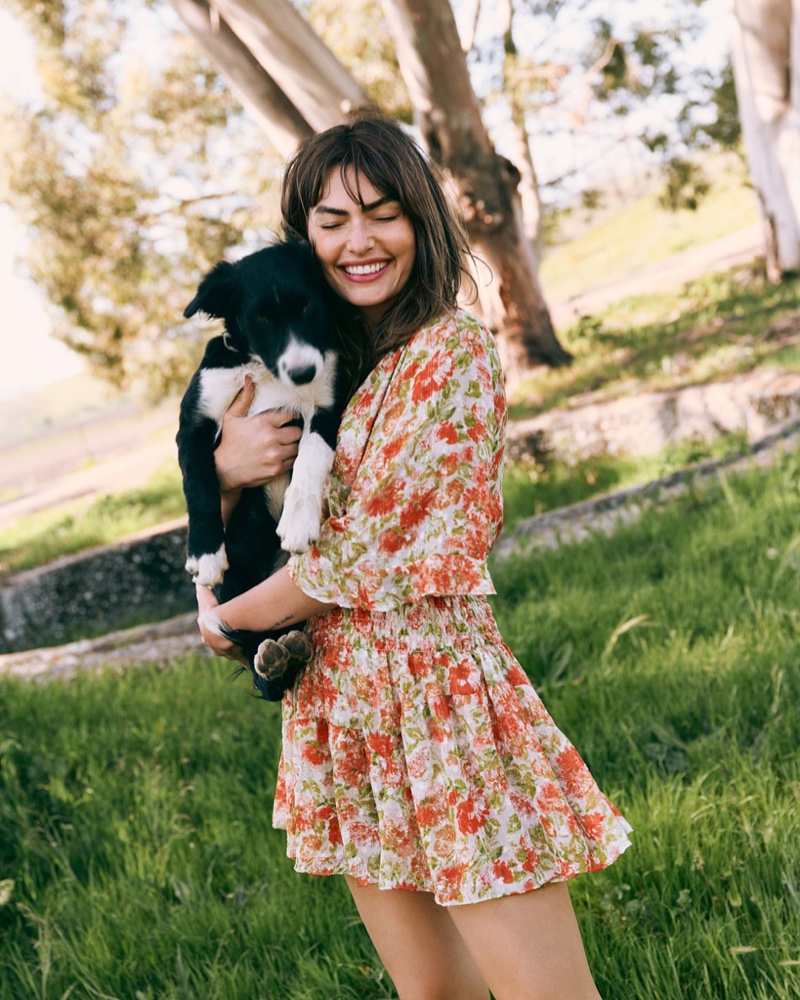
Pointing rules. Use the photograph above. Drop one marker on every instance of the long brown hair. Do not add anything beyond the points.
(377, 148)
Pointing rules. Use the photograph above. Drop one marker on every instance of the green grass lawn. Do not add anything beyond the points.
(136, 854)
(718, 326)
(641, 232)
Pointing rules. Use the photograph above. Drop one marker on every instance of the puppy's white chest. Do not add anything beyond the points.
(219, 386)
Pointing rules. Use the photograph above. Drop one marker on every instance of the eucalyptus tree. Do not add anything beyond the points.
(136, 168)
(133, 172)
(433, 65)
(766, 59)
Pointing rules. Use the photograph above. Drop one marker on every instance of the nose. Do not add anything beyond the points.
(302, 376)
(360, 237)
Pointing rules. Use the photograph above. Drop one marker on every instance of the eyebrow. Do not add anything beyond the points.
(328, 210)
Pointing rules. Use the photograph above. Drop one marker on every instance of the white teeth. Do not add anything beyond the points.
(365, 268)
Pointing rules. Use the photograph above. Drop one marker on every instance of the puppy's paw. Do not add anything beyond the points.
(300, 521)
(209, 569)
(298, 646)
(271, 659)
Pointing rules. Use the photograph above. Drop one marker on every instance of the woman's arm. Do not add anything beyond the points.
(273, 604)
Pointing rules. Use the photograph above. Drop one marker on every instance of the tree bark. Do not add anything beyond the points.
(304, 68)
(435, 71)
(311, 80)
(766, 62)
(280, 120)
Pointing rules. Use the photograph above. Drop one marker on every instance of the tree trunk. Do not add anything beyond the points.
(304, 68)
(528, 186)
(766, 62)
(435, 71)
(280, 120)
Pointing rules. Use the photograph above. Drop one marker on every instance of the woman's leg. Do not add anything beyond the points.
(419, 944)
(528, 947)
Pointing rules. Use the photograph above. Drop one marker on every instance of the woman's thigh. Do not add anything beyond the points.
(419, 944)
(528, 947)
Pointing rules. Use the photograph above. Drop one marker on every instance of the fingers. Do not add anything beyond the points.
(242, 400)
(279, 419)
(209, 622)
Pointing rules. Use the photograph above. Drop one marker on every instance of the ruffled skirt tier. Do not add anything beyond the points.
(417, 755)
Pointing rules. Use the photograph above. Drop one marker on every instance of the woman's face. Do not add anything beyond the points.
(367, 254)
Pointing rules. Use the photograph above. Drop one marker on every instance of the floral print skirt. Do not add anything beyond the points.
(417, 755)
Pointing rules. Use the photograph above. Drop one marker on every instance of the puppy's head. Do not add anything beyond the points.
(276, 306)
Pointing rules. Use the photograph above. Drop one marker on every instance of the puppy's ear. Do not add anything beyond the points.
(214, 294)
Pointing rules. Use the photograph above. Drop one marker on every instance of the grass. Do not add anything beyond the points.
(641, 233)
(39, 538)
(138, 859)
(719, 326)
(530, 487)
(535, 485)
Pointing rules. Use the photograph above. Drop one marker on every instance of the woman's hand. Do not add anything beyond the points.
(206, 601)
(253, 449)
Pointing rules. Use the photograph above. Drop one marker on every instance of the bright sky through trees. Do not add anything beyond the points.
(44, 359)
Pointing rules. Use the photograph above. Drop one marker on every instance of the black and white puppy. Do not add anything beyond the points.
(279, 330)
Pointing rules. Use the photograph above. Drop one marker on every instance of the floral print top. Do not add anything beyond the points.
(416, 753)
(415, 493)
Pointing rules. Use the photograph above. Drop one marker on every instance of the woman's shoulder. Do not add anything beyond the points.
(459, 332)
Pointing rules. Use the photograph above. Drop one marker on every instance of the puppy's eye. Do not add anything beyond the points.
(262, 319)
(306, 307)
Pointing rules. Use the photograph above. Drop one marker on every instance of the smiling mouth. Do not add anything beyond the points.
(365, 270)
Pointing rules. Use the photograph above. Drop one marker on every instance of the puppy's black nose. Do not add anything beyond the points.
(302, 376)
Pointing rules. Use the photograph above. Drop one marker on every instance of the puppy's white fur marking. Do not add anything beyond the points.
(208, 570)
(297, 356)
(302, 509)
(218, 387)
(211, 622)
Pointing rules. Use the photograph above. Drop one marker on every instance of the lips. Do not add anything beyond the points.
(366, 271)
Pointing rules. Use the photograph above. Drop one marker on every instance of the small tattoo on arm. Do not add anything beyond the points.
(283, 621)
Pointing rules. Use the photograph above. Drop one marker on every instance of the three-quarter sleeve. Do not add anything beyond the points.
(425, 505)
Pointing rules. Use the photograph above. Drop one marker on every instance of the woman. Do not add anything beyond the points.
(416, 755)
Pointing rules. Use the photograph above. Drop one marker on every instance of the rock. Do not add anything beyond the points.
(98, 591)
(645, 424)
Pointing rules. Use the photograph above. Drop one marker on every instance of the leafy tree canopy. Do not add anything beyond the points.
(136, 170)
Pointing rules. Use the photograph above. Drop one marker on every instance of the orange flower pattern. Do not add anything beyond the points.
(416, 753)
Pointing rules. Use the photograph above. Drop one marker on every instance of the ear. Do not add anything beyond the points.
(215, 293)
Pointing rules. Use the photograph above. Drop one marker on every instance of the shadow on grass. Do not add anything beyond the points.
(717, 326)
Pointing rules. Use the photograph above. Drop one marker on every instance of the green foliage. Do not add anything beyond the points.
(686, 185)
(137, 169)
(357, 33)
(137, 858)
(135, 175)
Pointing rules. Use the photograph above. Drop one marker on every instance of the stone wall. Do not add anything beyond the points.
(645, 423)
(139, 580)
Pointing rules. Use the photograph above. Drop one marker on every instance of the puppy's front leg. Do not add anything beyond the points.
(300, 521)
(206, 556)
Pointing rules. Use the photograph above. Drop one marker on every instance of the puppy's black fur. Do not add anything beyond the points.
(279, 329)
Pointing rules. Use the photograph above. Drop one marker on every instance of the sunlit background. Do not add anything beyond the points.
(30, 357)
